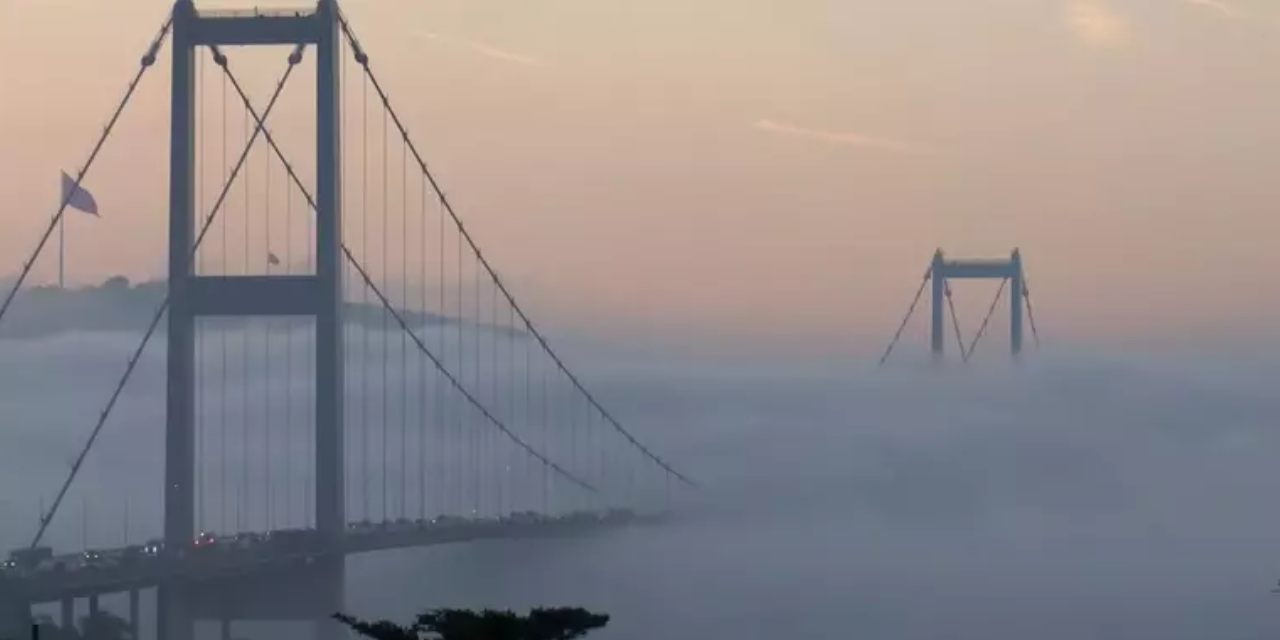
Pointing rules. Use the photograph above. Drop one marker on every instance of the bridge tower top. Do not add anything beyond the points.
(942, 269)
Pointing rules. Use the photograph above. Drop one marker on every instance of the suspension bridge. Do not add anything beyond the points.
(441, 414)
(942, 270)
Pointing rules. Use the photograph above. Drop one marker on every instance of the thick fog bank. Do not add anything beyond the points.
(1073, 496)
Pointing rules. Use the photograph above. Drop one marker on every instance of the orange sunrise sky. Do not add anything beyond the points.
(769, 169)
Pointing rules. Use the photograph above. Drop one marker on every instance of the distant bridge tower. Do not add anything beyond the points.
(941, 271)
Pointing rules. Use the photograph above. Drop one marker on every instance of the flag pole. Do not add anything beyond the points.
(62, 247)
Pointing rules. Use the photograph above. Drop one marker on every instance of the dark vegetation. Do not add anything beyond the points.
(560, 623)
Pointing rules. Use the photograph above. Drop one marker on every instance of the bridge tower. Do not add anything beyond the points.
(942, 270)
(193, 295)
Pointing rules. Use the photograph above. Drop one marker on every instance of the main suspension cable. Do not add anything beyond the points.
(902, 326)
(363, 59)
(386, 303)
(457, 385)
(45, 519)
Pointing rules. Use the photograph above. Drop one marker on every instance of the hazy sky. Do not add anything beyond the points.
(760, 167)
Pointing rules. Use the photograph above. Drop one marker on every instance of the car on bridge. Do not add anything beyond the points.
(205, 539)
(153, 548)
(92, 558)
(27, 559)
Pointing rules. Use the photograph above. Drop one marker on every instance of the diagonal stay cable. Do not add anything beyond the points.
(955, 323)
(45, 519)
(386, 303)
(902, 326)
(148, 60)
(1031, 314)
(983, 328)
(363, 59)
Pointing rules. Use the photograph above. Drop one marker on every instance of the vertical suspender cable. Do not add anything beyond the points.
(478, 435)
(404, 338)
(459, 416)
(575, 430)
(289, 437)
(244, 356)
(443, 452)
(267, 398)
(386, 317)
(225, 520)
(547, 498)
(344, 272)
(364, 308)
(422, 362)
(202, 484)
(496, 472)
(510, 385)
(309, 369)
(526, 474)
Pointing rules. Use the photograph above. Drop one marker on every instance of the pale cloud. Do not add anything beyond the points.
(1096, 24)
(481, 48)
(838, 137)
(1220, 6)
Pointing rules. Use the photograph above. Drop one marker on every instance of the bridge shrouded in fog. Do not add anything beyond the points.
(408, 436)
(942, 270)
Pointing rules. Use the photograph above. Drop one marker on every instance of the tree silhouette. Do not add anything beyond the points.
(559, 623)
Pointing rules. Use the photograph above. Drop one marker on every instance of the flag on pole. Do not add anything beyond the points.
(272, 259)
(77, 197)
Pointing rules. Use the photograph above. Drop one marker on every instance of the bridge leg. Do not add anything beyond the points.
(179, 460)
(94, 608)
(326, 628)
(134, 618)
(173, 614)
(330, 500)
(224, 629)
(1015, 306)
(15, 619)
(67, 617)
(330, 507)
(938, 278)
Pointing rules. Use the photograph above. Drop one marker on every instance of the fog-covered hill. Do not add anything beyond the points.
(117, 305)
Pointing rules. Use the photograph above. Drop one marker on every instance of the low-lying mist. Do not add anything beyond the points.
(1071, 496)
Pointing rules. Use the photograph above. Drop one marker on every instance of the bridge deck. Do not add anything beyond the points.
(120, 574)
